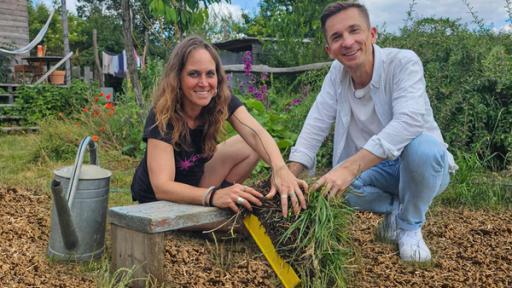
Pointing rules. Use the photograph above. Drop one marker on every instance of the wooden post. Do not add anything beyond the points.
(146, 46)
(143, 251)
(128, 47)
(99, 69)
(66, 40)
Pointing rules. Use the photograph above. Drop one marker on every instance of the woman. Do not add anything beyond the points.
(183, 162)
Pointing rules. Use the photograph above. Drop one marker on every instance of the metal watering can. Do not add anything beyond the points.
(79, 215)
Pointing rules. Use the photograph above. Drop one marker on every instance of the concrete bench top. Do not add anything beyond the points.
(161, 216)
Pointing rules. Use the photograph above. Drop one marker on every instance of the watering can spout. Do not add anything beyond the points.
(67, 227)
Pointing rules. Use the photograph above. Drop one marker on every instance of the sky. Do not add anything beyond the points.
(390, 14)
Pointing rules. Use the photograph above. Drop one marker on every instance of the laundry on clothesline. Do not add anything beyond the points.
(116, 64)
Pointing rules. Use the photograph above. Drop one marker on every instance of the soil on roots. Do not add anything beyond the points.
(469, 248)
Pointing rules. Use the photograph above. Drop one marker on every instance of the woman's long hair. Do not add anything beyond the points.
(168, 99)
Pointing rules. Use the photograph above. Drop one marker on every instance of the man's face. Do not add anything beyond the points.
(349, 39)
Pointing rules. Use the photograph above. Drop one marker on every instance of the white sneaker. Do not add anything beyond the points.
(412, 246)
(387, 231)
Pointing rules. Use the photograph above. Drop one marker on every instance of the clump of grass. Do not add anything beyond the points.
(316, 242)
(221, 256)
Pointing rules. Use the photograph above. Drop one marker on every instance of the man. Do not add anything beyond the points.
(387, 145)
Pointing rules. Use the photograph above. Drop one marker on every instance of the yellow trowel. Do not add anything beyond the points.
(284, 271)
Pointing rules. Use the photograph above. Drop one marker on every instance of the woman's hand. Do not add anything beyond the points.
(237, 194)
(288, 185)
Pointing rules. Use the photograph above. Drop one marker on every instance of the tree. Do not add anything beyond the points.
(296, 27)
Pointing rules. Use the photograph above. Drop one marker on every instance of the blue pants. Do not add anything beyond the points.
(413, 179)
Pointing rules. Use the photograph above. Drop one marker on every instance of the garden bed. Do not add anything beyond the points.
(470, 248)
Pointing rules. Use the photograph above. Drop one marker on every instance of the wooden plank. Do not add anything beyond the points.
(3, 85)
(267, 69)
(17, 5)
(17, 129)
(10, 118)
(161, 216)
(14, 12)
(15, 18)
(13, 23)
(10, 36)
(140, 251)
(15, 29)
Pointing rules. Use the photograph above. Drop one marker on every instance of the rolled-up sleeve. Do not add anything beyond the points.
(409, 107)
(318, 122)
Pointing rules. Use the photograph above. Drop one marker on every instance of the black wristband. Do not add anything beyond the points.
(210, 202)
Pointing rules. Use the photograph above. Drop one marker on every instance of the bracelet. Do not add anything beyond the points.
(207, 194)
(215, 189)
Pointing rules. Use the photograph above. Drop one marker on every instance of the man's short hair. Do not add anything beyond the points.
(336, 7)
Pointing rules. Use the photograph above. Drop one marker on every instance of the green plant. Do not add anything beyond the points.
(35, 103)
(468, 83)
(59, 139)
(473, 186)
(316, 242)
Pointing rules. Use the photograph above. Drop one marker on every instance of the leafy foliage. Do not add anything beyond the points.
(35, 103)
(468, 82)
(274, 123)
(296, 27)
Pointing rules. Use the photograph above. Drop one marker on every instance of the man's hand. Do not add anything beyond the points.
(336, 181)
(339, 178)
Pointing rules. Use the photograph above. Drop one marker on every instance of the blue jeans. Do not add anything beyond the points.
(413, 179)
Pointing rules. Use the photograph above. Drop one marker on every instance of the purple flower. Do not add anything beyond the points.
(247, 59)
(251, 89)
(241, 87)
(264, 76)
(228, 79)
(296, 102)
(264, 90)
(258, 96)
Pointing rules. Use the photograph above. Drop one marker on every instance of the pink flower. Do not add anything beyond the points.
(187, 163)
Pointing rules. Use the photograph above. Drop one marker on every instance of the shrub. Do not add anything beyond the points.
(469, 84)
(117, 126)
(35, 103)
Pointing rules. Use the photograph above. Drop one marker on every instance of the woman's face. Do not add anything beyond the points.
(199, 79)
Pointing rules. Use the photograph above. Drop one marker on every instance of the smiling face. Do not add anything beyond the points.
(350, 40)
(198, 79)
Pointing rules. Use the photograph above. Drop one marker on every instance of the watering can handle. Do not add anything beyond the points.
(75, 174)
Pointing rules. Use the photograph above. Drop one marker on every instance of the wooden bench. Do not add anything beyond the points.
(137, 234)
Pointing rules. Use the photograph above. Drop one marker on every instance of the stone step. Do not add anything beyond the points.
(9, 86)
(19, 129)
(8, 118)
(6, 106)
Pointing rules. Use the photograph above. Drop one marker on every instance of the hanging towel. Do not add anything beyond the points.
(107, 63)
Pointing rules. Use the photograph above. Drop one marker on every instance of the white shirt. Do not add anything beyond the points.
(364, 122)
(398, 91)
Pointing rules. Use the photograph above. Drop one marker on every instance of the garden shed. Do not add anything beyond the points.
(232, 51)
(14, 25)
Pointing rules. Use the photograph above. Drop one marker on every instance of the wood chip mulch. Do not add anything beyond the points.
(24, 232)
(470, 249)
